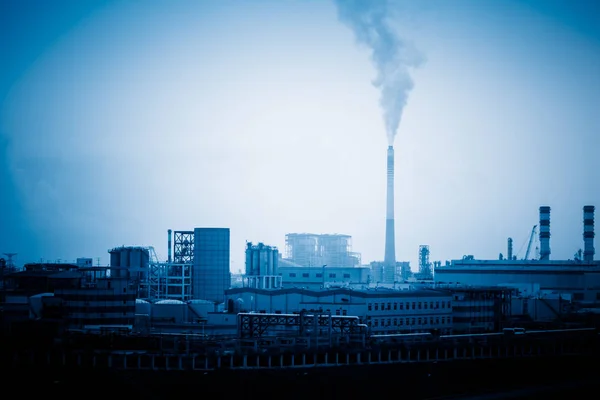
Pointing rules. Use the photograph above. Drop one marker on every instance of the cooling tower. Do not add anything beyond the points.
(390, 246)
(544, 233)
(588, 233)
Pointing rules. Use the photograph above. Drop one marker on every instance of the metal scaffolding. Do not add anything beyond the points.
(311, 250)
(170, 281)
(184, 247)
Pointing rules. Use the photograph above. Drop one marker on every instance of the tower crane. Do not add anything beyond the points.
(530, 241)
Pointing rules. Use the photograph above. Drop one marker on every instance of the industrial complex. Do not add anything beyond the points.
(317, 296)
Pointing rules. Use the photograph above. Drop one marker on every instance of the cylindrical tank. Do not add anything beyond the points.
(115, 258)
(249, 258)
(124, 257)
(142, 307)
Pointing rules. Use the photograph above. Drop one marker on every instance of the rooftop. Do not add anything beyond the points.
(370, 293)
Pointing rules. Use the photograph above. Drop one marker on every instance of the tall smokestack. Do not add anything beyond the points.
(510, 249)
(588, 233)
(169, 244)
(390, 246)
(544, 233)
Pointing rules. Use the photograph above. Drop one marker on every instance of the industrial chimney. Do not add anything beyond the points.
(588, 233)
(390, 242)
(170, 247)
(510, 249)
(544, 233)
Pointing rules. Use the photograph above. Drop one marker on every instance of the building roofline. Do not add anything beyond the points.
(369, 293)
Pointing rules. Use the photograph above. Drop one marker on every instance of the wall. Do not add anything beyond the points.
(312, 277)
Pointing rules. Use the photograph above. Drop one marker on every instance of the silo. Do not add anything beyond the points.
(249, 258)
(135, 259)
(115, 258)
(124, 256)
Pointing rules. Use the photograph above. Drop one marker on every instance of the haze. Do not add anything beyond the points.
(120, 120)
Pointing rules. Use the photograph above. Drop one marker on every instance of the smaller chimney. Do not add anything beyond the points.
(169, 246)
(544, 233)
(510, 249)
(588, 233)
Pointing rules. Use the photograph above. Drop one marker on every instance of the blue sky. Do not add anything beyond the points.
(120, 120)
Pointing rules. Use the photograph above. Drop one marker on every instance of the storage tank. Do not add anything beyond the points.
(170, 311)
(142, 307)
(124, 257)
(115, 258)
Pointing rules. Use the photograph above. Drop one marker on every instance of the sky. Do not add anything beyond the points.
(122, 119)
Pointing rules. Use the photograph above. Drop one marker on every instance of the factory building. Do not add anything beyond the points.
(210, 273)
(262, 267)
(315, 278)
(385, 311)
(578, 279)
(314, 250)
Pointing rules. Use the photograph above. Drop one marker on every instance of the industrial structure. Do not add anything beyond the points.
(425, 266)
(262, 267)
(390, 237)
(315, 250)
(577, 280)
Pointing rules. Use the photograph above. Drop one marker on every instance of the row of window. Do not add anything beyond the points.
(416, 305)
(319, 275)
(408, 321)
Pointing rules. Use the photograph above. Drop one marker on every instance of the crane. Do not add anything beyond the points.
(530, 241)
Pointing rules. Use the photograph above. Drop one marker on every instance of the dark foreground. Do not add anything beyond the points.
(559, 377)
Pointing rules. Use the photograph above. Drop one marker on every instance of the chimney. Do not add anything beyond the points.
(169, 246)
(588, 233)
(510, 249)
(544, 233)
(390, 242)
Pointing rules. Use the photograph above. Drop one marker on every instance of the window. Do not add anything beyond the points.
(389, 307)
(437, 304)
(369, 307)
(401, 321)
(431, 305)
(413, 305)
(337, 312)
(408, 306)
(412, 322)
(376, 306)
(443, 304)
(389, 322)
(344, 312)
(419, 305)
(425, 305)
(382, 306)
(395, 306)
(431, 320)
(395, 321)
(419, 321)
(437, 320)
(449, 305)
(318, 275)
(292, 275)
(346, 275)
(305, 275)
(443, 320)
(332, 275)
(375, 322)
(402, 306)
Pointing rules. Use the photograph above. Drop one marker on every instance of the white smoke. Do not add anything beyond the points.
(390, 55)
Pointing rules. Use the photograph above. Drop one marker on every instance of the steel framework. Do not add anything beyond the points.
(254, 325)
(170, 281)
(184, 247)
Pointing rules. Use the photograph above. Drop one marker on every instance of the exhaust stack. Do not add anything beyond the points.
(588, 233)
(390, 240)
(544, 233)
(510, 249)
(169, 245)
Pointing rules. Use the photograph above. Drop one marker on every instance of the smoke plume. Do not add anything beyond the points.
(390, 55)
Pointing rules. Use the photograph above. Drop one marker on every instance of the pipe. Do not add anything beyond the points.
(390, 241)
(169, 245)
(588, 233)
(544, 233)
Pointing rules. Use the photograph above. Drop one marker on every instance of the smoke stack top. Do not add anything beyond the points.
(391, 56)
